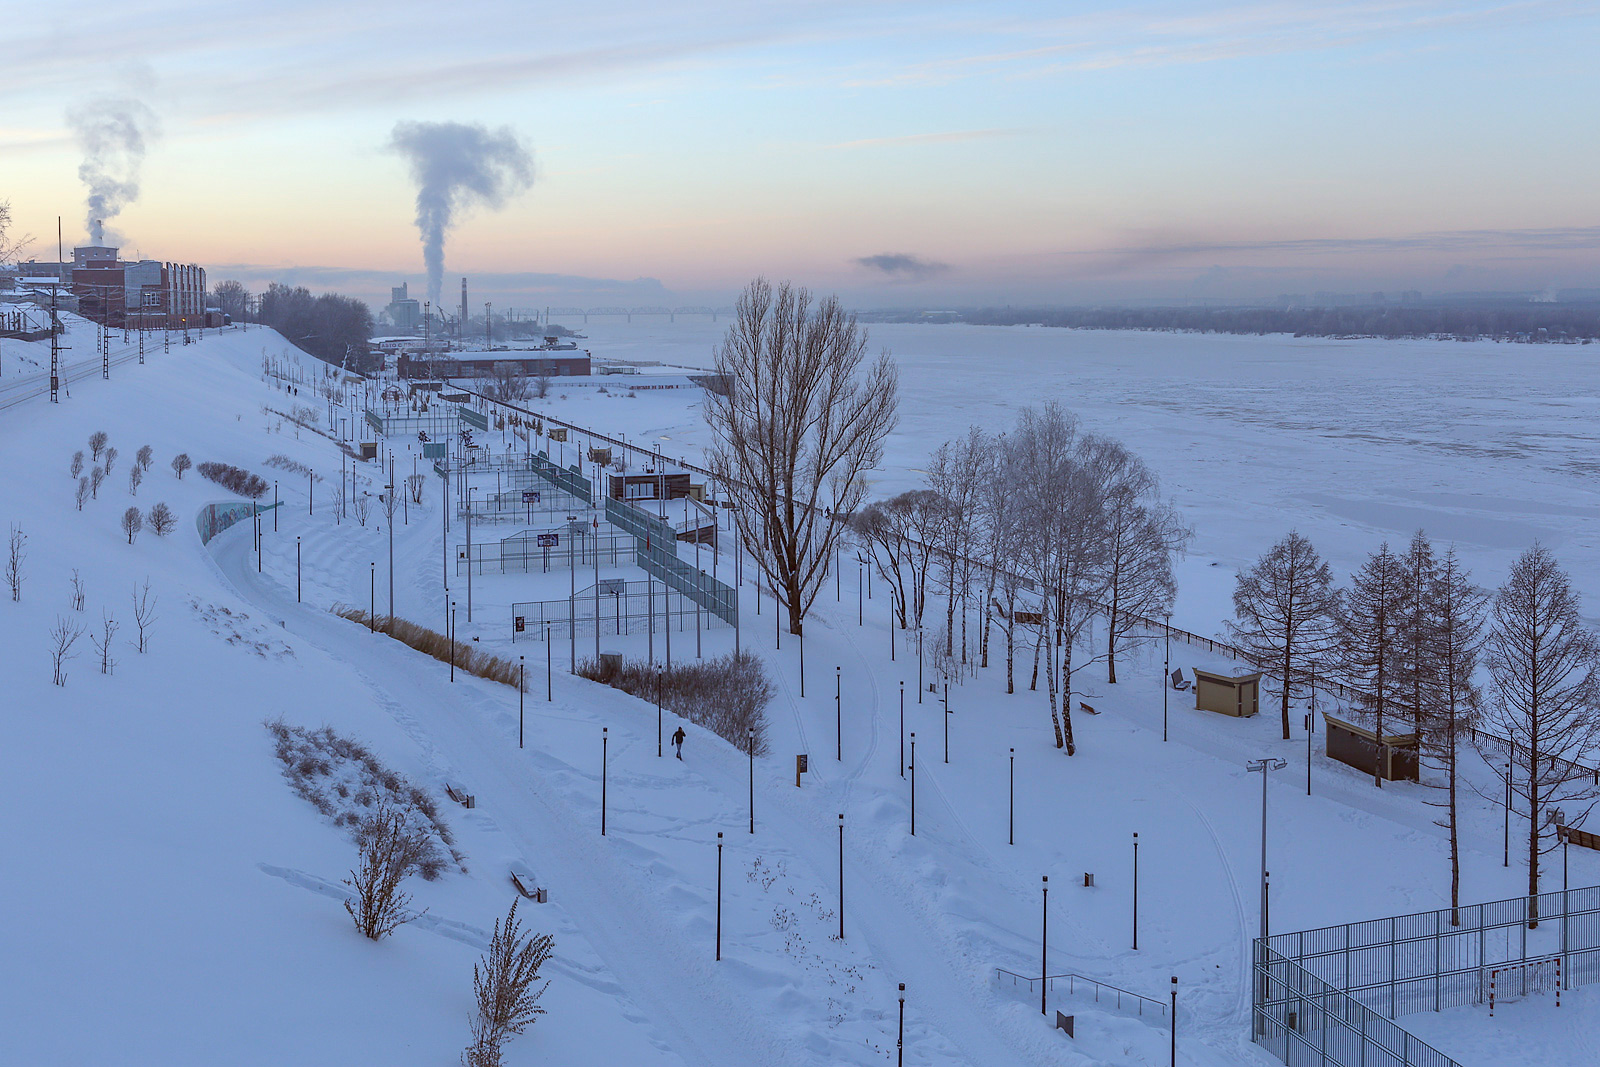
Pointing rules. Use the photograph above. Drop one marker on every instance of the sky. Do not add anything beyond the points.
(900, 154)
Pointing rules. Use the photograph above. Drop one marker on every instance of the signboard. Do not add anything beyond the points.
(530, 496)
(434, 450)
(801, 765)
(520, 623)
(549, 540)
(558, 433)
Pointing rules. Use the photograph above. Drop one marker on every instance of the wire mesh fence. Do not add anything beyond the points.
(541, 551)
(616, 607)
(1329, 995)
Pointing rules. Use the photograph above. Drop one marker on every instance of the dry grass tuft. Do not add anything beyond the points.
(727, 695)
(437, 645)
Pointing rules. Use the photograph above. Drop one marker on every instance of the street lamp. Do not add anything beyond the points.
(1166, 675)
(1264, 765)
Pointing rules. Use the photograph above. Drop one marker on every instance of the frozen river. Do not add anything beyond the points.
(1489, 446)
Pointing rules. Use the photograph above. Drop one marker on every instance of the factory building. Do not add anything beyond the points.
(148, 294)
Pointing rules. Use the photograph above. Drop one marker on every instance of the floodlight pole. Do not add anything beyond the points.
(1264, 765)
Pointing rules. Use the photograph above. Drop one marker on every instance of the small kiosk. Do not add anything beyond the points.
(1360, 748)
(1237, 696)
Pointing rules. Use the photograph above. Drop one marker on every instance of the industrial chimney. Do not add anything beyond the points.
(463, 309)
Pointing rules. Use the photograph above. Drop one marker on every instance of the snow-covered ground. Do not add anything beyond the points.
(162, 872)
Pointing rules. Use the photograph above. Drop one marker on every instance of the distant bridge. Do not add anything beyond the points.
(629, 312)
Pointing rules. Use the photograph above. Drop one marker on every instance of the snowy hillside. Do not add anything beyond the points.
(171, 899)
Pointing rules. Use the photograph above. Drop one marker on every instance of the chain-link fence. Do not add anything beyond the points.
(617, 607)
(1328, 996)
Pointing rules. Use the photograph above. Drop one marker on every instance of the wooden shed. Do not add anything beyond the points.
(1239, 697)
(1359, 748)
(649, 485)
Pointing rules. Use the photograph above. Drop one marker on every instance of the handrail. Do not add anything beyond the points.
(1073, 979)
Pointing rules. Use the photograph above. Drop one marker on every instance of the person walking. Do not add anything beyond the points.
(677, 741)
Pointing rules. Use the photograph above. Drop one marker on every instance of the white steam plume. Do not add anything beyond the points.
(113, 133)
(457, 166)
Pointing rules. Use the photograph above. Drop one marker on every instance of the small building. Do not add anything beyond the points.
(1362, 749)
(530, 362)
(649, 485)
(1239, 696)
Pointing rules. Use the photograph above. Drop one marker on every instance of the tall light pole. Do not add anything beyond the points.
(1507, 862)
(838, 717)
(900, 1042)
(719, 894)
(1264, 765)
(1011, 807)
(1044, 942)
(1166, 676)
(841, 876)
(1136, 891)
(750, 739)
(902, 728)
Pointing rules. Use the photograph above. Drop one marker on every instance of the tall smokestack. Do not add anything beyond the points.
(456, 166)
(463, 309)
(113, 133)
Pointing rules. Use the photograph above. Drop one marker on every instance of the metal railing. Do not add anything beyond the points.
(1103, 991)
(621, 608)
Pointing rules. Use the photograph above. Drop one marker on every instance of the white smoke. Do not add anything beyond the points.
(113, 133)
(457, 166)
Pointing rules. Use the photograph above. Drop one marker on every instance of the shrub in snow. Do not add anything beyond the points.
(15, 557)
(503, 980)
(132, 523)
(346, 783)
(235, 479)
(437, 645)
(161, 520)
(389, 850)
(727, 695)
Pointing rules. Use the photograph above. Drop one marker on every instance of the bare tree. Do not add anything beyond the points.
(504, 981)
(97, 443)
(132, 523)
(161, 520)
(145, 456)
(362, 506)
(80, 495)
(390, 850)
(111, 454)
(508, 382)
(16, 556)
(1414, 664)
(541, 386)
(1371, 618)
(1142, 532)
(144, 613)
(63, 635)
(77, 463)
(102, 643)
(795, 432)
(1546, 672)
(415, 484)
(956, 472)
(96, 476)
(135, 476)
(1454, 610)
(77, 590)
(893, 534)
(1286, 613)
(11, 247)
(181, 463)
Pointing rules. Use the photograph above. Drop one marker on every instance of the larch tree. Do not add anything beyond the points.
(1454, 613)
(801, 421)
(1545, 669)
(1371, 623)
(1285, 613)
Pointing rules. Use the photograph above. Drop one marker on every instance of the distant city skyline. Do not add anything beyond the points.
(900, 154)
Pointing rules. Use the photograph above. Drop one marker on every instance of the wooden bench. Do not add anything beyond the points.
(461, 796)
(1178, 681)
(1086, 709)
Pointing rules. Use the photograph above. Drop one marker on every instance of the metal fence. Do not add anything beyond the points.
(1070, 984)
(657, 544)
(1328, 996)
(539, 551)
(621, 607)
(214, 518)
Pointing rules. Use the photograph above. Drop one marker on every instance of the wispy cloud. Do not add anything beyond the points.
(1549, 239)
(902, 266)
(942, 137)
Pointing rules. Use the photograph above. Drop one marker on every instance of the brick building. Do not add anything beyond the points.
(149, 294)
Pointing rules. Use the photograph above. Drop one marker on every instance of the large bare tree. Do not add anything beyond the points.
(800, 423)
(1285, 611)
(1545, 667)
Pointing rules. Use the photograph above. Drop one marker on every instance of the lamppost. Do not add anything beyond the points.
(900, 1042)
(719, 894)
(297, 569)
(658, 702)
(1136, 891)
(750, 738)
(902, 728)
(1507, 862)
(605, 741)
(522, 687)
(838, 717)
(913, 783)
(1264, 765)
(1044, 942)
(947, 722)
(841, 876)
(1174, 1021)
(1011, 808)
(1166, 675)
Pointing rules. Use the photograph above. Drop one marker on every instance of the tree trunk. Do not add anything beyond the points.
(1287, 664)
(1066, 694)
